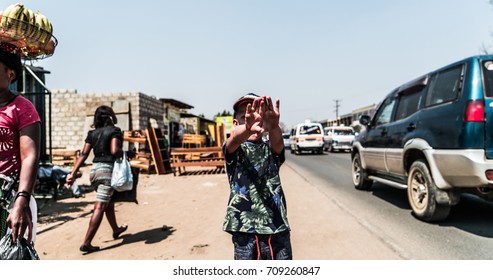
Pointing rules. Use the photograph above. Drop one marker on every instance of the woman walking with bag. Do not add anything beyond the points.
(106, 142)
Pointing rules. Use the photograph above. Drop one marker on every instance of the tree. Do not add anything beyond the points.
(223, 114)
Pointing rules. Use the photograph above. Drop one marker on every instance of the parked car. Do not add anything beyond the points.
(338, 138)
(307, 136)
(285, 139)
(432, 136)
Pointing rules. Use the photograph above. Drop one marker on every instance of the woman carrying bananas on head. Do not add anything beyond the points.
(20, 133)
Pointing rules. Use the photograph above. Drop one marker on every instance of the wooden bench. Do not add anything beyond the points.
(64, 157)
(201, 157)
(193, 140)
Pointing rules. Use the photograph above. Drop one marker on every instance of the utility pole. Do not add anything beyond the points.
(337, 101)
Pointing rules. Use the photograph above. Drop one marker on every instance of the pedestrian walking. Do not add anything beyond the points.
(106, 142)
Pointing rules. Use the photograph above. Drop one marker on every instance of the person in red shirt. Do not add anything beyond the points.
(20, 133)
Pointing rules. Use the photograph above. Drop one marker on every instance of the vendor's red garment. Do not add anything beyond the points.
(14, 116)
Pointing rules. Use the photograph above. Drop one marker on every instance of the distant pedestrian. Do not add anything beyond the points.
(106, 142)
(256, 215)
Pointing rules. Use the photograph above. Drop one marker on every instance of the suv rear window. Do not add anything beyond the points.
(444, 86)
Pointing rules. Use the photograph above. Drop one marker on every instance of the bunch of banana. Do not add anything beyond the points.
(31, 32)
(16, 15)
(11, 15)
(42, 22)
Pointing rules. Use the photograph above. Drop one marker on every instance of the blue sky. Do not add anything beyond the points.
(306, 53)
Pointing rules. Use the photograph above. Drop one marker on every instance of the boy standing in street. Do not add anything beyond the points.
(256, 215)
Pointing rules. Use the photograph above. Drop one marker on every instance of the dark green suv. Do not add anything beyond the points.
(432, 136)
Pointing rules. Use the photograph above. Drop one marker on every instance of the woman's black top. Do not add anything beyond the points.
(100, 141)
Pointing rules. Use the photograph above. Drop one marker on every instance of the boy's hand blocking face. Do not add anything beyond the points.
(269, 113)
(253, 117)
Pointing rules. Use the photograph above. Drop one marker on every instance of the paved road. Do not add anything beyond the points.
(466, 235)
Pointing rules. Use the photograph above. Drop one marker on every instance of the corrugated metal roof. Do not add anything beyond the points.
(176, 103)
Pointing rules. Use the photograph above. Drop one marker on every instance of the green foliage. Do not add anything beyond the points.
(223, 114)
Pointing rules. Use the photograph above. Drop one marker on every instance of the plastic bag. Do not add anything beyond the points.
(121, 178)
(21, 250)
(128, 196)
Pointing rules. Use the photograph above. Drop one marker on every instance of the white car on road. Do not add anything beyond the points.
(339, 138)
(307, 136)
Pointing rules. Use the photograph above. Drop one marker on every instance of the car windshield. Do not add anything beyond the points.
(285, 136)
(310, 129)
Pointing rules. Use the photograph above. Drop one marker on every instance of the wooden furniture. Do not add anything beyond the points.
(64, 157)
(204, 156)
(142, 159)
(151, 151)
(159, 151)
(193, 141)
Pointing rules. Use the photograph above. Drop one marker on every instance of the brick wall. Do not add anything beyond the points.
(72, 114)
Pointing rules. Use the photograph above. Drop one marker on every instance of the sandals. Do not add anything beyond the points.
(121, 230)
(89, 249)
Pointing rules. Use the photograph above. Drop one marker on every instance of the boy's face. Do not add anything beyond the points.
(240, 119)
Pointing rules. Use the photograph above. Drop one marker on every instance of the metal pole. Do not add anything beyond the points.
(49, 103)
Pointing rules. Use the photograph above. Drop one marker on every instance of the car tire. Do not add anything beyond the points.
(359, 174)
(421, 193)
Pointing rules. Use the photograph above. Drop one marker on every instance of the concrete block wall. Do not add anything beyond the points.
(70, 111)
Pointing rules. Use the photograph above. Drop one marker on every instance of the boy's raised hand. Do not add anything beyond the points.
(269, 113)
(253, 117)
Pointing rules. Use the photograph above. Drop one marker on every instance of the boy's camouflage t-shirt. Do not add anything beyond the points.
(256, 202)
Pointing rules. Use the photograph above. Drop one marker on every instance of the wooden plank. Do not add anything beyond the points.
(140, 165)
(196, 150)
(193, 139)
(202, 157)
(203, 163)
(64, 156)
(155, 151)
(163, 149)
(64, 152)
(135, 140)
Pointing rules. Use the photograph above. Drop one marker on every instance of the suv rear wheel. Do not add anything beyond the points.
(421, 193)
(359, 175)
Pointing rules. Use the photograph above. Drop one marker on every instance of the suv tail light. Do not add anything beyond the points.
(474, 111)
(489, 174)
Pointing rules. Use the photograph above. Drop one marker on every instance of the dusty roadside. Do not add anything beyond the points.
(180, 218)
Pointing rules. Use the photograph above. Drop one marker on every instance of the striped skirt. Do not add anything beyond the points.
(100, 177)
